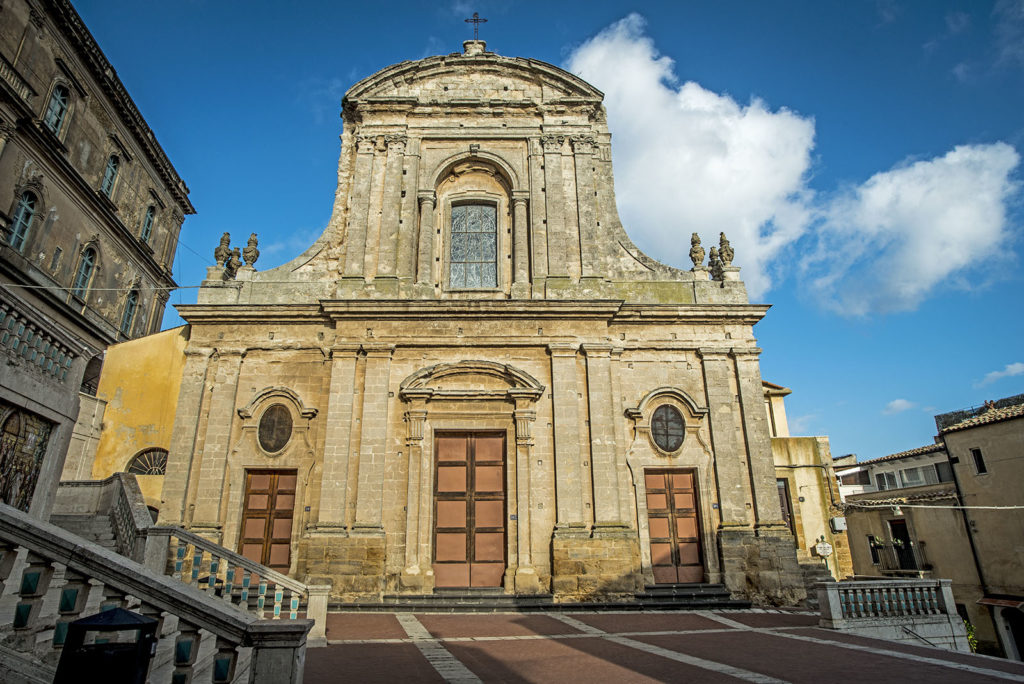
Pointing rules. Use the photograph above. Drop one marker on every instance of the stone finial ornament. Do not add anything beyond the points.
(716, 265)
(696, 251)
(251, 252)
(233, 263)
(223, 251)
(725, 250)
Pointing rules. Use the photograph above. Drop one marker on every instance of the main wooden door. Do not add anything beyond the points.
(267, 517)
(674, 526)
(469, 510)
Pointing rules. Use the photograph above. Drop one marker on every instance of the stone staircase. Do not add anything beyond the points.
(94, 528)
(656, 597)
(814, 572)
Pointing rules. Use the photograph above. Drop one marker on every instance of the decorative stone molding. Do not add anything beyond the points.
(269, 393)
(583, 144)
(519, 383)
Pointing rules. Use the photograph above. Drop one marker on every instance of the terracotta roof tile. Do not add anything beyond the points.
(991, 416)
(919, 451)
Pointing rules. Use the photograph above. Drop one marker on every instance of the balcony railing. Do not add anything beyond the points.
(906, 560)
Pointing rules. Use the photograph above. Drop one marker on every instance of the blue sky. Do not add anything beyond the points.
(863, 157)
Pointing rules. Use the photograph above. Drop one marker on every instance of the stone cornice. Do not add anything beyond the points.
(464, 309)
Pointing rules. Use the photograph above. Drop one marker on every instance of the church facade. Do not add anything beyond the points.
(474, 378)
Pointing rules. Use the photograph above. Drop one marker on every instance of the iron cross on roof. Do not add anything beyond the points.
(476, 21)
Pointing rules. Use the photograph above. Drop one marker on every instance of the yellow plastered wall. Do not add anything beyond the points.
(140, 383)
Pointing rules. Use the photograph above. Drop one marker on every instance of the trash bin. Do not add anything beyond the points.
(116, 644)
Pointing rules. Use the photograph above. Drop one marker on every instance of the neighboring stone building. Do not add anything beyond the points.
(474, 378)
(905, 517)
(90, 210)
(808, 492)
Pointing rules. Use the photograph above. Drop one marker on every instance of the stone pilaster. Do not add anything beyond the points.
(526, 580)
(221, 419)
(387, 252)
(407, 220)
(337, 444)
(425, 265)
(608, 515)
(372, 452)
(520, 246)
(730, 459)
(6, 133)
(183, 436)
(586, 202)
(538, 227)
(568, 471)
(355, 235)
(555, 204)
(761, 465)
(417, 521)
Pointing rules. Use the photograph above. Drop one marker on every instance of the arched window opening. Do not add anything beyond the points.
(57, 109)
(149, 462)
(110, 175)
(147, 224)
(473, 258)
(84, 274)
(12, 427)
(23, 215)
(131, 303)
(667, 428)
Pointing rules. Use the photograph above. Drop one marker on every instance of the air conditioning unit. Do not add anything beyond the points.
(838, 524)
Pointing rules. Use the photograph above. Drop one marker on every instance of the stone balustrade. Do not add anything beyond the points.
(63, 577)
(919, 610)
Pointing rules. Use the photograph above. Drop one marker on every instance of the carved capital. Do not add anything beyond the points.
(397, 141)
(524, 425)
(426, 197)
(552, 143)
(415, 420)
(583, 144)
(365, 144)
(6, 129)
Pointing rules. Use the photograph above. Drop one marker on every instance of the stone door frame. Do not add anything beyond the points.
(429, 409)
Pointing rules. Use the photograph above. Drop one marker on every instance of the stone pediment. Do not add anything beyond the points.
(472, 79)
(470, 380)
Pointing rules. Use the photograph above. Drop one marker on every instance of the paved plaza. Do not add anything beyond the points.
(698, 646)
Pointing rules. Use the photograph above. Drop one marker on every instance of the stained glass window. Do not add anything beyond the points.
(275, 428)
(473, 258)
(667, 428)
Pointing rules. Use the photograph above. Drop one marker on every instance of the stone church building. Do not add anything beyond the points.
(474, 378)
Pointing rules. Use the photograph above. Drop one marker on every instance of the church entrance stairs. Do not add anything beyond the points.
(656, 597)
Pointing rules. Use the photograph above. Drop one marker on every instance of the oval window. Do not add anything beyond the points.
(667, 428)
(275, 428)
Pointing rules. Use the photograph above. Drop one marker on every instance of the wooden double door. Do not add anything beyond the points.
(469, 510)
(267, 517)
(674, 525)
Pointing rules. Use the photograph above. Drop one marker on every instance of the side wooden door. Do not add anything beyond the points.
(267, 517)
(674, 526)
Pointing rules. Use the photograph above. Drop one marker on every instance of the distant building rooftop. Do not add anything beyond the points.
(992, 415)
(918, 451)
(959, 420)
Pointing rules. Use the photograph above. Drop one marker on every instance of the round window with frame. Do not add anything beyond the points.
(275, 428)
(668, 428)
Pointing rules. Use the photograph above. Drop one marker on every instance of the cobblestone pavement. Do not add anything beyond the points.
(698, 646)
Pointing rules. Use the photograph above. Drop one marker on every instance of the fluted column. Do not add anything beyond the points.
(425, 270)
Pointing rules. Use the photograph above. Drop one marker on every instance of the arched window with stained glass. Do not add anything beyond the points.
(24, 213)
(83, 275)
(57, 109)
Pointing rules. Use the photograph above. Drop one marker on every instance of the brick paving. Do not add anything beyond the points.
(701, 646)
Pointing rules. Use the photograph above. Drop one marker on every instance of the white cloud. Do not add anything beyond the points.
(688, 159)
(885, 245)
(898, 406)
(1011, 370)
(1009, 31)
(801, 425)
